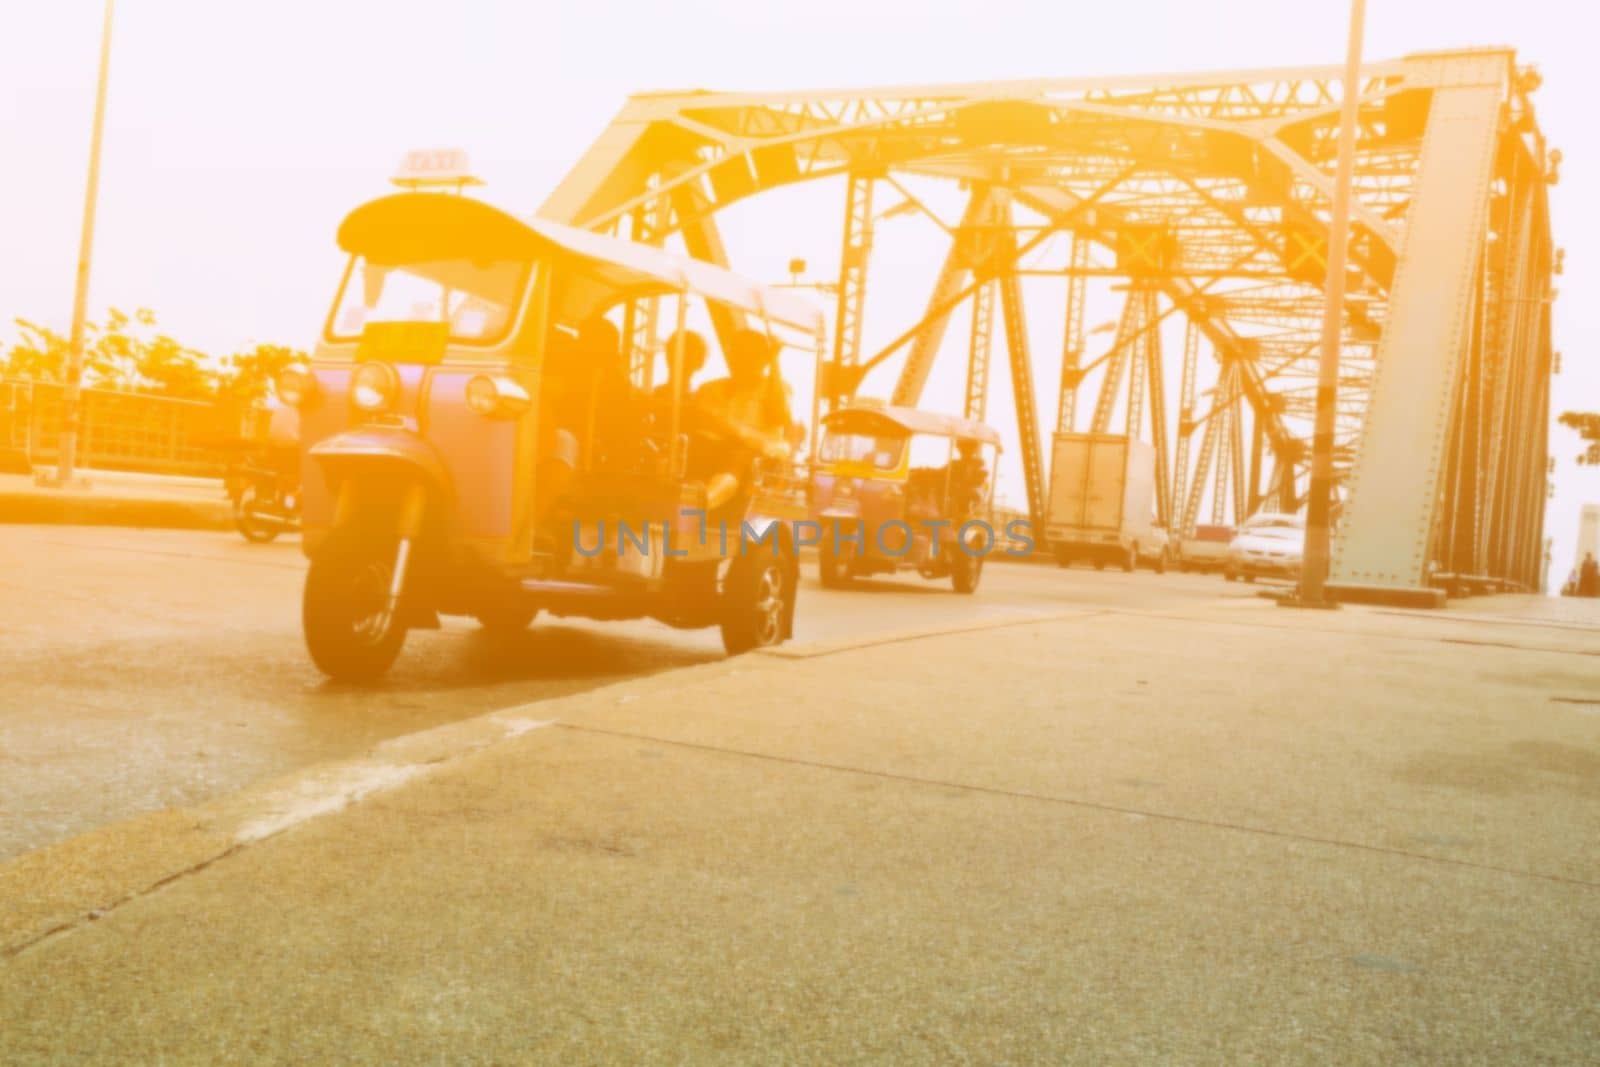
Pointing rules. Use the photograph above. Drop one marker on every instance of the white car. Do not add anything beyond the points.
(1207, 550)
(1268, 544)
(1155, 550)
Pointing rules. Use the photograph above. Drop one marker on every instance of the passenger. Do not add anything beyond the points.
(1589, 576)
(748, 406)
(747, 410)
(694, 359)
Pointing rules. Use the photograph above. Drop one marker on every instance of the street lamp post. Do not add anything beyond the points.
(1314, 572)
(71, 393)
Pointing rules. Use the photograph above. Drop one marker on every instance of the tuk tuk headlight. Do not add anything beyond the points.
(294, 386)
(374, 387)
(496, 397)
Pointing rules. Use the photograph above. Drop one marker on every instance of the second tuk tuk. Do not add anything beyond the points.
(477, 441)
(896, 488)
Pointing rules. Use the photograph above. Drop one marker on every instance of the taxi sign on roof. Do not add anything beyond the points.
(427, 168)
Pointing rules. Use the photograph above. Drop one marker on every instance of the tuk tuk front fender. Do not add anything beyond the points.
(380, 450)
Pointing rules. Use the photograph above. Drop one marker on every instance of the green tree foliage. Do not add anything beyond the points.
(126, 352)
(247, 376)
(1588, 426)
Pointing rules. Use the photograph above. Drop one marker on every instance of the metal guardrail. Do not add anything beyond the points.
(124, 431)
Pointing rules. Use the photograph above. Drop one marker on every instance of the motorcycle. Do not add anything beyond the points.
(266, 499)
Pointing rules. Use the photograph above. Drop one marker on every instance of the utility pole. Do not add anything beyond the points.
(1314, 572)
(71, 393)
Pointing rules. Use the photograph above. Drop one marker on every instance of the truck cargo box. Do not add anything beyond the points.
(1102, 490)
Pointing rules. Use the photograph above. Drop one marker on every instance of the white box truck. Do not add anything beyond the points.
(1102, 501)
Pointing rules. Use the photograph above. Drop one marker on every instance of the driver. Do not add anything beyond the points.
(559, 403)
(586, 400)
(968, 477)
(612, 404)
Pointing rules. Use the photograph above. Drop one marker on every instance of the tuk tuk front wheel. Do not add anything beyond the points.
(350, 635)
(758, 599)
(965, 572)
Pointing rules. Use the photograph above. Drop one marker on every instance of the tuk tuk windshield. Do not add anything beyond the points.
(479, 300)
(881, 450)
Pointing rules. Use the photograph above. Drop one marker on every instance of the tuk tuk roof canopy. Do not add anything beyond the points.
(915, 420)
(417, 227)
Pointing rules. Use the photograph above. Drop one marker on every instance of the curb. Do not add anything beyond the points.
(57, 508)
(816, 649)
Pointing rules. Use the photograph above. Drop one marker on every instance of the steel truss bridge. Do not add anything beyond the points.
(1207, 197)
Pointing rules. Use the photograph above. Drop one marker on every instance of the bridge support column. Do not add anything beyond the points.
(1388, 530)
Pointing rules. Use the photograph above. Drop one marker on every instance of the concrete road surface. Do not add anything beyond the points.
(147, 669)
(1216, 833)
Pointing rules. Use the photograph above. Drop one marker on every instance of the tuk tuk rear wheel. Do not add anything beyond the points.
(507, 616)
(965, 572)
(758, 599)
(349, 635)
(833, 571)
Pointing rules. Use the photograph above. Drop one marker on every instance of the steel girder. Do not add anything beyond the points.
(1072, 337)
(855, 251)
(972, 252)
(647, 225)
(1022, 388)
(977, 401)
(1438, 440)
(1453, 432)
(1186, 426)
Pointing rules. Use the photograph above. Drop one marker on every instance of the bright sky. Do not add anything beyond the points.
(239, 134)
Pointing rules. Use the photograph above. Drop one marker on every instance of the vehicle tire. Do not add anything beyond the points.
(1249, 577)
(1063, 558)
(1130, 562)
(833, 571)
(508, 615)
(1099, 564)
(965, 572)
(341, 611)
(1229, 576)
(758, 601)
(254, 530)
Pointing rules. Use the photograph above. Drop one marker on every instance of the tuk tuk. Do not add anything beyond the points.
(468, 452)
(895, 488)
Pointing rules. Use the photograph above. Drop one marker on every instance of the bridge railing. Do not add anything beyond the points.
(124, 430)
